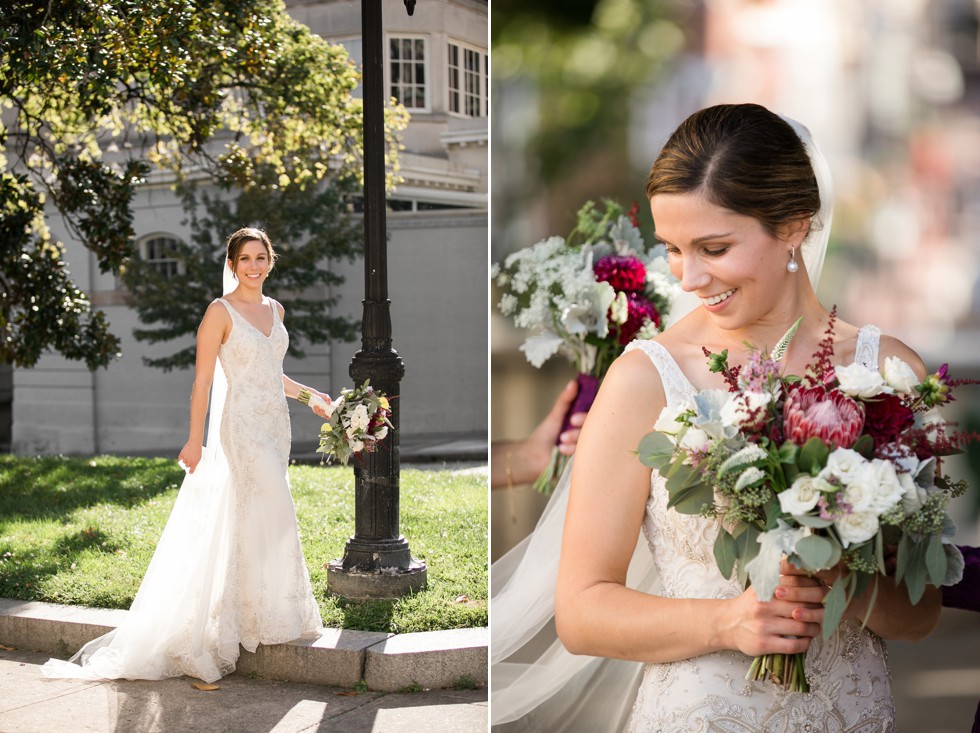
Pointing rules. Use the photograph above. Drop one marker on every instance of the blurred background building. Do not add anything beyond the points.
(436, 65)
(585, 94)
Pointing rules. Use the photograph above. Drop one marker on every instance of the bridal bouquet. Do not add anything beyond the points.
(358, 422)
(833, 468)
(585, 298)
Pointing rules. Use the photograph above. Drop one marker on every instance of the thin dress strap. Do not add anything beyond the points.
(866, 351)
(677, 387)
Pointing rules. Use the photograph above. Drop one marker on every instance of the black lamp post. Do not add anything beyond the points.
(376, 562)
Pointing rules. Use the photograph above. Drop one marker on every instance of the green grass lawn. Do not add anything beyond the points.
(82, 531)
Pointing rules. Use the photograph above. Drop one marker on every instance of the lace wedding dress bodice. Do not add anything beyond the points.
(228, 570)
(848, 674)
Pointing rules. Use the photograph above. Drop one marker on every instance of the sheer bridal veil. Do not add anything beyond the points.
(535, 684)
(171, 627)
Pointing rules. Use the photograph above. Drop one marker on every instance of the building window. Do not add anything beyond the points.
(467, 81)
(355, 50)
(160, 252)
(408, 76)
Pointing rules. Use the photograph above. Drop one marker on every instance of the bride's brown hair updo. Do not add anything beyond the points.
(248, 234)
(742, 157)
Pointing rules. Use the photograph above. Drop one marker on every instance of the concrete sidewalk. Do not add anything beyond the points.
(340, 657)
(30, 703)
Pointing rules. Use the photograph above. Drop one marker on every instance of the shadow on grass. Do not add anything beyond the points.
(367, 615)
(52, 487)
(23, 580)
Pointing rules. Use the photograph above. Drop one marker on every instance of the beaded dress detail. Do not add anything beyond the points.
(228, 571)
(848, 674)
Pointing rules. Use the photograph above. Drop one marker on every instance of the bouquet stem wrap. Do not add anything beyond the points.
(588, 388)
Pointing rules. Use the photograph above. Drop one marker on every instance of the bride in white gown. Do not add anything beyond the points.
(228, 570)
(734, 197)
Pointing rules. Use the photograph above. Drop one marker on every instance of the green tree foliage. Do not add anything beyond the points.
(310, 227)
(583, 60)
(96, 93)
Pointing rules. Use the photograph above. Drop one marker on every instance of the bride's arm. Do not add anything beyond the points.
(595, 612)
(210, 334)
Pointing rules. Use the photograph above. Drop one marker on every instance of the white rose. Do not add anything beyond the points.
(844, 464)
(695, 439)
(801, 497)
(357, 446)
(380, 435)
(360, 419)
(899, 375)
(856, 527)
(913, 495)
(859, 494)
(667, 422)
(886, 488)
(857, 380)
(740, 410)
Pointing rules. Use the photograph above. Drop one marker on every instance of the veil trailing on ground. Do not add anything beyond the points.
(171, 623)
(535, 684)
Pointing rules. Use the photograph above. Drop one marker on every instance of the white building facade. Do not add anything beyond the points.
(436, 65)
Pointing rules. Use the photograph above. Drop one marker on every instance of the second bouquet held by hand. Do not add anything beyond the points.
(358, 422)
(586, 298)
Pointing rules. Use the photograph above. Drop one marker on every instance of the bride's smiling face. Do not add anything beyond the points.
(729, 260)
(251, 267)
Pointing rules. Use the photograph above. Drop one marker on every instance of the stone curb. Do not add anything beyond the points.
(339, 658)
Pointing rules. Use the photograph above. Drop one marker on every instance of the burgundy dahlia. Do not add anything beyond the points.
(638, 310)
(813, 412)
(623, 272)
(885, 418)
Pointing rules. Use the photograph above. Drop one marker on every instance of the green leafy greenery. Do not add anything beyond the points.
(311, 229)
(585, 59)
(82, 531)
(95, 93)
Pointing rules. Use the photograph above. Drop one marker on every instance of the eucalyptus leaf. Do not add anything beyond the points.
(915, 578)
(835, 603)
(813, 455)
(726, 552)
(810, 521)
(747, 541)
(677, 478)
(865, 445)
(816, 552)
(789, 452)
(936, 560)
(902, 557)
(655, 450)
(691, 499)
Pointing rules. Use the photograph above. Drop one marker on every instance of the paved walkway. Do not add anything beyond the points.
(30, 703)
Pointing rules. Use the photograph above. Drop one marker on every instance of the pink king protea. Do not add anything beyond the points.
(816, 413)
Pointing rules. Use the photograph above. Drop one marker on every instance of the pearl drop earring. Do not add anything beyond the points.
(792, 265)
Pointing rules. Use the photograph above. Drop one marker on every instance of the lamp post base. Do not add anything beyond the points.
(378, 584)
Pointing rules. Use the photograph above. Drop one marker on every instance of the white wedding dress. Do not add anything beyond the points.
(228, 571)
(537, 685)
